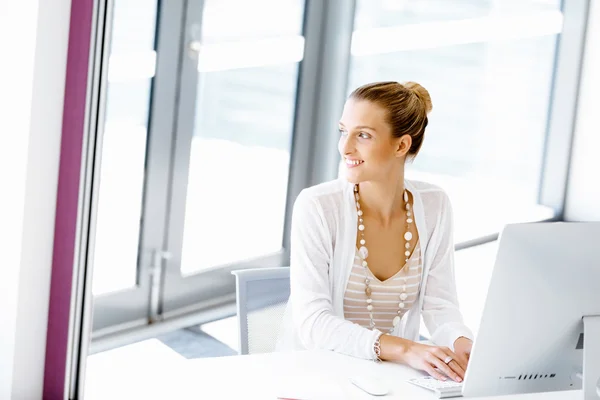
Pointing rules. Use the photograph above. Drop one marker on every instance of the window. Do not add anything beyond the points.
(240, 150)
(131, 66)
(488, 66)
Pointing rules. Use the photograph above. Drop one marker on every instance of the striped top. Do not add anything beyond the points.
(385, 295)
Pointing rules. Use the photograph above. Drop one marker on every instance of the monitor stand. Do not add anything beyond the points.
(591, 357)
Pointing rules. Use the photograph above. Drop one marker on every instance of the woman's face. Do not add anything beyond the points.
(368, 149)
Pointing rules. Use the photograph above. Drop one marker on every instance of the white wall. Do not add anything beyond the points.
(32, 80)
(583, 199)
(16, 71)
(40, 197)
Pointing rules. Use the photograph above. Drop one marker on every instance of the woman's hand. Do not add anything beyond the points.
(462, 348)
(430, 359)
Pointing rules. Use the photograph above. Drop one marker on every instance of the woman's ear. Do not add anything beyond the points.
(403, 145)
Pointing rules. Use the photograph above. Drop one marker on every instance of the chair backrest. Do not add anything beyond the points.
(262, 295)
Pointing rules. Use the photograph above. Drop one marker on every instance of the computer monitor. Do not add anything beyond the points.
(543, 295)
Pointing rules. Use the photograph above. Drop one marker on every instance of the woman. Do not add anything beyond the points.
(373, 252)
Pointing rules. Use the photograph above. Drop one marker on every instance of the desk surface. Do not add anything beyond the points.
(321, 374)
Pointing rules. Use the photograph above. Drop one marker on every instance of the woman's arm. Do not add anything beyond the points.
(312, 311)
(441, 313)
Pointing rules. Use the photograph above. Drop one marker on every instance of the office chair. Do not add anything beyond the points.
(261, 295)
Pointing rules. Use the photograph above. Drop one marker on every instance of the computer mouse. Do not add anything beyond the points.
(371, 385)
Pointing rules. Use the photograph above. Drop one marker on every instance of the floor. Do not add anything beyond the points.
(193, 343)
(216, 339)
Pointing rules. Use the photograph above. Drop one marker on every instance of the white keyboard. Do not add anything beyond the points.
(443, 389)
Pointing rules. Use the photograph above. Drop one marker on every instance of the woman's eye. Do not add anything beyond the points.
(364, 135)
(342, 132)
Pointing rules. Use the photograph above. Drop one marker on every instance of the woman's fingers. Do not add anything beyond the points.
(457, 368)
(445, 368)
(439, 362)
(459, 359)
(433, 372)
(456, 364)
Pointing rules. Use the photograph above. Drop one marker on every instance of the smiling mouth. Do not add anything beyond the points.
(353, 163)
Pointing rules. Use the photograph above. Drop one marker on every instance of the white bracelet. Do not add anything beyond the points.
(377, 349)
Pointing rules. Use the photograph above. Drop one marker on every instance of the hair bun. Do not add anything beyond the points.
(421, 93)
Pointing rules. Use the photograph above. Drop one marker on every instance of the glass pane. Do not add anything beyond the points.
(239, 163)
(131, 68)
(392, 13)
(488, 66)
(473, 268)
(473, 271)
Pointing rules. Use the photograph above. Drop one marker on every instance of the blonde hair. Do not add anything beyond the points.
(407, 106)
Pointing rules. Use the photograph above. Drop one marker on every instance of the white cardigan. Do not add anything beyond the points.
(323, 243)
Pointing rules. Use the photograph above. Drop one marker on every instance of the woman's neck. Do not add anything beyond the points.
(383, 200)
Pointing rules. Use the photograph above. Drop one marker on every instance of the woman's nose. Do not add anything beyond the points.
(347, 145)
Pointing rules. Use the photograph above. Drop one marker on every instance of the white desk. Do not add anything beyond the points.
(263, 377)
